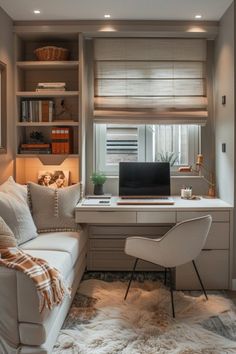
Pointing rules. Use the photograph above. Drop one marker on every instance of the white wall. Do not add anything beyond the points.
(224, 114)
(6, 56)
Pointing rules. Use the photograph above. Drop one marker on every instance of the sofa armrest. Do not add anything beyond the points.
(8, 307)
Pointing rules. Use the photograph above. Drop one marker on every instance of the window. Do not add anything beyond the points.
(116, 143)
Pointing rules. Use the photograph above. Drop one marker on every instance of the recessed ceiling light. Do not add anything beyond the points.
(198, 16)
(36, 12)
(107, 16)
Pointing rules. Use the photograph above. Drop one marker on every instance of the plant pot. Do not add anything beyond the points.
(98, 189)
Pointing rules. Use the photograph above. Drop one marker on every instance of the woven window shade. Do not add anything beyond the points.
(150, 80)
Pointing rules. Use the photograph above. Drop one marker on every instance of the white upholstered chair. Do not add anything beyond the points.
(180, 245)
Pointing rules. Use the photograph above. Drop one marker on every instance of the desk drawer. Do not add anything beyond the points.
(156, 217)
(105, 217)
(216, 215)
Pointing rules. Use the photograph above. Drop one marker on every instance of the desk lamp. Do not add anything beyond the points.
(200, 167)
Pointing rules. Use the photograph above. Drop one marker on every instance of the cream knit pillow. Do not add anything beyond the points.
(7, 239)
(53, 209)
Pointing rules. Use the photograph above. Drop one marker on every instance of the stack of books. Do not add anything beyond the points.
(37, 110)
(51, 86)
(62, 140)
(37, 148)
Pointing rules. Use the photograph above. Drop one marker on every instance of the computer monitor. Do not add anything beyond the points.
(144, 179)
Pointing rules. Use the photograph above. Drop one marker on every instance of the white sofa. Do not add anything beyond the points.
(22, 328)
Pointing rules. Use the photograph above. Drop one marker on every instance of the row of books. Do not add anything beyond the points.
(51, 86)
(62, 140)
(37, 110)
(61, 143)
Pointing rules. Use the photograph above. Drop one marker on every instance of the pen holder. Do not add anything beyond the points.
(186, 193)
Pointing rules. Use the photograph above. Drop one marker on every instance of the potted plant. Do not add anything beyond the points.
(98, 179)
(170, 157)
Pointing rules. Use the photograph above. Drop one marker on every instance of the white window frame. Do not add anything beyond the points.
(145, 147)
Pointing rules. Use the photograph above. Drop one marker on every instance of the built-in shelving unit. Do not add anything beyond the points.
(66, 104)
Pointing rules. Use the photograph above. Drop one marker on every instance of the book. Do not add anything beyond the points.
(35, 151)
(35, 146)
(103, 196)
(50, 89)
(51, 84)
(97, 202)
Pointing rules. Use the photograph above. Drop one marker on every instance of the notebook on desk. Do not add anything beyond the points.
(146, 201)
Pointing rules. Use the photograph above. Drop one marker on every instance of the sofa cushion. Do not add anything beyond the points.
(16, 190)
(70, 242)
(59, 260)
(17, 216)
(53, 209)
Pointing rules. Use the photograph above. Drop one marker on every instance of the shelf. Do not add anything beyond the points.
(48, 124)
(30, 65)
(47, 155)
(48, 159)
(47, 94)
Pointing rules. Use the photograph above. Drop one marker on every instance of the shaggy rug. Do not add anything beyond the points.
(101, 322)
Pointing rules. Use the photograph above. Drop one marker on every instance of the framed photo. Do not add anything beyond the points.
(54, 179)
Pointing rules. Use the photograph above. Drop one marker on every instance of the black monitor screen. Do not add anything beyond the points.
(144, 179)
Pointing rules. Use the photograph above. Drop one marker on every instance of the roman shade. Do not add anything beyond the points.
(150, 80)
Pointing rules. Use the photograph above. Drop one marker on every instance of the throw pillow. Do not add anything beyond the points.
(17, 216)
(7, 238)
(53, 209)
(14, 189)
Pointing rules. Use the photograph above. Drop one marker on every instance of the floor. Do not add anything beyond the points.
(83, 309)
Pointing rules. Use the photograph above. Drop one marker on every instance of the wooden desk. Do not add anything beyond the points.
(108, 227)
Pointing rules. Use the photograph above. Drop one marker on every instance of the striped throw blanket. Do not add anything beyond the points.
(48, 281)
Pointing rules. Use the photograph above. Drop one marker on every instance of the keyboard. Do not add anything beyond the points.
(148, 201)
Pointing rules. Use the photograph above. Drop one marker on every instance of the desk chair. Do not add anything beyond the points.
(180, 245)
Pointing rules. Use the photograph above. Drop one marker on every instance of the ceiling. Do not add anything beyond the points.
(118, 9)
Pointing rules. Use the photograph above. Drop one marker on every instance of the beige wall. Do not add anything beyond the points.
(224, 114)
(6, 55)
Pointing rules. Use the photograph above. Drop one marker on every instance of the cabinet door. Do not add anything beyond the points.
(213, 266)
(116, 261)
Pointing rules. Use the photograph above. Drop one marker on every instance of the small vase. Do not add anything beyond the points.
(98, 189)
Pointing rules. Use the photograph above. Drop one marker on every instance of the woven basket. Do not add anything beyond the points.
(51, 53)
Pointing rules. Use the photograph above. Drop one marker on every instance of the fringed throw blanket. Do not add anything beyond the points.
(48, 281)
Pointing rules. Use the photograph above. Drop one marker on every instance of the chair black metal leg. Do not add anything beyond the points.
(131, 278)
(165, 276)
(171, 293)
(200, 280)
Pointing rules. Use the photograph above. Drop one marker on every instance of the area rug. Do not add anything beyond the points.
(101, 322)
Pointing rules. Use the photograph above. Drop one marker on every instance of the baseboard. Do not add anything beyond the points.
(233, 284)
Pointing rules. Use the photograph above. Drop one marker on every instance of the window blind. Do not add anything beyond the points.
(151, 80)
